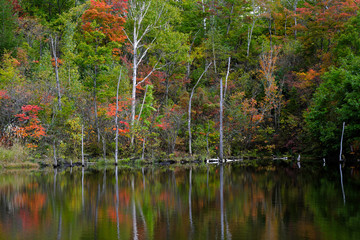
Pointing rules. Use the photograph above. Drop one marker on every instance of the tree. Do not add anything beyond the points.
(7, 26)
(144, 19)
(189, 108)
(32, 128)
(336, 101)
(103, 33)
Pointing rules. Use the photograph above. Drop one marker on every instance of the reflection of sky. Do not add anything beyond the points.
(211, 202)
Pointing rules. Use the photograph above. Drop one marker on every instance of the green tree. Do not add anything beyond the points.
(336, 101)
(7, 26)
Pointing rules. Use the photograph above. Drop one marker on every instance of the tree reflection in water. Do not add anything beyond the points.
(197, 202)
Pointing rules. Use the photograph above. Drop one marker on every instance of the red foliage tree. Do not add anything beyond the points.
(32, 128)
(109, 17)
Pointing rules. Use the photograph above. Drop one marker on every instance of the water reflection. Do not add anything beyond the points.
(342, 183)
(210, 202)
(222, 199)
(190, 211)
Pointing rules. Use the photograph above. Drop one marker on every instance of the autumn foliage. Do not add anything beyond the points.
(107, 17)
(31, 126)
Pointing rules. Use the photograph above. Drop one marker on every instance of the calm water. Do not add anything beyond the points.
(207, 202)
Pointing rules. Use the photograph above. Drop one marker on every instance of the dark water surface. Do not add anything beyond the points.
(198, 202)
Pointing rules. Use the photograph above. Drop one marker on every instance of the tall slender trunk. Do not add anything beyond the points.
(204, 19)
(134, 82)
(82, 146)
(295, 19)
(55, 159)
(116, 121)
(104, 147)
(95, 106)
(227, 76)
(207, 140)
(221, 147)
(53, 46)
(250, 31)
(189, 109)
(341, 142)
(229, 24)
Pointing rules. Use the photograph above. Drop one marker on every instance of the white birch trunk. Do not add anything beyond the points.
(341, 142)
(55, 159)
(221, 147)
(227, 76)
(82, 146)
(189, 109)
(116, 121)
(53, 46)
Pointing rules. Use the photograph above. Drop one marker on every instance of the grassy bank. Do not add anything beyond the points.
(16, 156)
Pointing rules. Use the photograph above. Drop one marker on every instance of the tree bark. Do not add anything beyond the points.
(55, 159)
(221, 147)
(95, 107)
(116, 120)
(189, 110)
(341, 142)
(227, 76)
(53, 46)
(82, 146)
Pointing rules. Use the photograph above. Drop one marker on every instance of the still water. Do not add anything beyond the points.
(192, 202)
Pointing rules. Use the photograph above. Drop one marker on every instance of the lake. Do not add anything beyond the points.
(229, 201)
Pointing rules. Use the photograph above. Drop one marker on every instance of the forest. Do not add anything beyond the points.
(167, 79)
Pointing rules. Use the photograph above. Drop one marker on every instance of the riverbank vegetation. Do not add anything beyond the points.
(153, 72)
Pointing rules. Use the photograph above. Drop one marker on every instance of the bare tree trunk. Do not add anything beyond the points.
(250, 31)
(133, 92)
(137, 12)
(104, 147)
(95, 107)
(227, 76)
(143, 149)
(341, 142)
(229, 24)
(55, 159)
(207, 140)
(295, 19)
(204, 20)
(221, 147)
(189, 110)
(53, 46)
(116, 121)
(82, 146)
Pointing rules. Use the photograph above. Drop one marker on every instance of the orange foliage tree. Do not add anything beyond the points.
(108, 18)
(32, 128)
